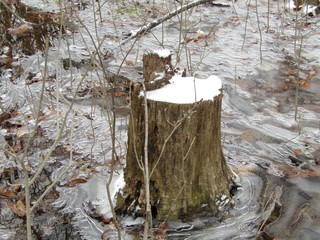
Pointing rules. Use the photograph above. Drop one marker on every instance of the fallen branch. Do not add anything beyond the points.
(168, 16)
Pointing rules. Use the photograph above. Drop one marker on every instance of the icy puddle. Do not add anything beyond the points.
(270, 128)
(275, 156)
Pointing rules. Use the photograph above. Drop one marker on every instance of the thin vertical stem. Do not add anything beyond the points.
(297, 53)
(180, 37)
(27, 182)
(296, 102)
(259, 28)
(234, 8)
(148, 222)
(246, 24)
(99, 9)
(114, 158)
(28, 203)
(268, 17)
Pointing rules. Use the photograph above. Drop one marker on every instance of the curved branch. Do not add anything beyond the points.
(168, 16)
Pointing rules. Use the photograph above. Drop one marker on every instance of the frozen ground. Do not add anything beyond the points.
(259, 62)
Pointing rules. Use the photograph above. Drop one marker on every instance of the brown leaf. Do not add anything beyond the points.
(297, 152)
(11, 124)
(87, 115)
(120, 94)
(290, 72)
(297, 5)
(305, 84)
(164, 227)
(16, 146)
(21, 30)
(19, 208)
(4, 116)
(21, 132)
(247, 135)
(234, 19)
(7, 60)
(51, 115)
(9, 194)
(129, 63)
(244, 169)
(75, 182)
(106, 219)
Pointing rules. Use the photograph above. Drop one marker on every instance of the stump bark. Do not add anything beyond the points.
(188, 172)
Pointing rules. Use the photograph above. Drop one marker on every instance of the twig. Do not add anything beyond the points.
(274, 197)
(245, 26)
(260, 32)
(148, 222)
(168, 16)
(138, 158)
(111, 120)
(12, 12)
(58, 135)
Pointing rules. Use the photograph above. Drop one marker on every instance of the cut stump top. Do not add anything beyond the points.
(187, 90)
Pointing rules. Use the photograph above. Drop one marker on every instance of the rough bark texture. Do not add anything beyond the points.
(189, 172)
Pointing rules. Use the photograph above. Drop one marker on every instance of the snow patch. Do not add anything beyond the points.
(163, 53)
(97, 193)
(186, 90)
(160, 76)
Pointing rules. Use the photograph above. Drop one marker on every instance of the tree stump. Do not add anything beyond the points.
(188, 172)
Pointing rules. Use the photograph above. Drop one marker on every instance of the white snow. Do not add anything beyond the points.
(160, 76)
(162, 52)
(186, 90)
(306, 8)
(97, 192)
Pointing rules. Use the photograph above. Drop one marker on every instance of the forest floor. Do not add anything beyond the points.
(267, 56)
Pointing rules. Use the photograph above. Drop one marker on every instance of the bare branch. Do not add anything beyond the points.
(168, 16)
(12, 12)
(148, 222)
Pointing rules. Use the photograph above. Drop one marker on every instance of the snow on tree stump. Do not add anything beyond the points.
(189, 174)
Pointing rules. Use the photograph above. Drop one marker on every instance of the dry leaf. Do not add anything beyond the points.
(305, 84)
(248, 136)
(129, 63)
(298, 172)
(19, 208)
(120, 94)
(51, 115)
(164, 227)
(7, 60)
(87, 115)
(297, 152)
(290, 72)
(106, 220)
(21, 30)
(8, 194)
(4, 116)
(11, 124)
(75, 182)
(297, 5)
(234, 19)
